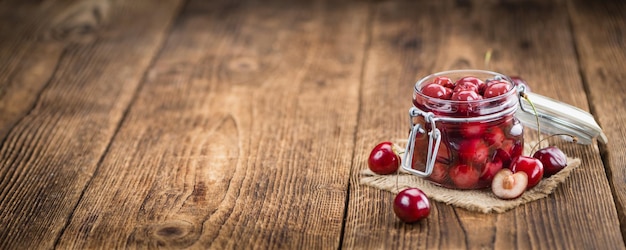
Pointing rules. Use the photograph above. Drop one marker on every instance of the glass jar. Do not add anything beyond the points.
(463, 144)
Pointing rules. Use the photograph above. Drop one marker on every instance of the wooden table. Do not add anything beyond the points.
(222, 124)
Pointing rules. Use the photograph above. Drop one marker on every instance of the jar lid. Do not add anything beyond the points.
(556, 117)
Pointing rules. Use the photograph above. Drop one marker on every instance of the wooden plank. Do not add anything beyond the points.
(600, 34)
(68, 72)
(241, 136)
(528, 38)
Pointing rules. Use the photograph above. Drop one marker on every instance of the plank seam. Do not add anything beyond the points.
(368, 43)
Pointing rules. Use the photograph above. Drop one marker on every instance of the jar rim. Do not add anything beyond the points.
(468, 71)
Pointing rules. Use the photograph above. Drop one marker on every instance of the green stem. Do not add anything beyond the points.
(536, 116)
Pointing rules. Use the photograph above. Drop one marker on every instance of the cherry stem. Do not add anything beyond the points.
(574, 139)
(536, 115)
(488, 57)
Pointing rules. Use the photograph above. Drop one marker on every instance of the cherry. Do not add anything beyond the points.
(495, 137)
(444, 81)
(490, 170)
(509, 185)
(473, 151)
(461, 86)
(480, 85)
(437, 91)
(531, 166)
(411, 205)
(552, 158)
(473, 130)
(502, 156)
(496, 90)
(466, 95)
(492, 82)
(464, 176)
(383, 159)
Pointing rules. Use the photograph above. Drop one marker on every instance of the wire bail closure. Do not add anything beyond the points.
(433, 135)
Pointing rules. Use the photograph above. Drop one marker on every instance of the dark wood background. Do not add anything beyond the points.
(244, 124)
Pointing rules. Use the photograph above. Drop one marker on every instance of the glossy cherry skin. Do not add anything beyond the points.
(552, 158)
(480, 85)
(531, 166)
(496, 90)
(437, 91)
(444, 81)
(411, 205)
(383, 160)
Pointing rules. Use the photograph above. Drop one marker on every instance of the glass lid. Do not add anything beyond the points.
(556, 117)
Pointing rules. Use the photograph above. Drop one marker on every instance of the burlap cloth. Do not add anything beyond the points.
(473, 200)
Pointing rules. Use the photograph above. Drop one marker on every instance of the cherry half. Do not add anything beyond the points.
(411, 205)
(383, 159)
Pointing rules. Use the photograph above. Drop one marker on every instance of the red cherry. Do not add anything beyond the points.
(495, 137)
(464, 176)
(496, 90)
(461, 86)
(480, 85)
(509, 185)
(513, 148)
(444, 81)
(466, 95)
(411, 205)
(531, 166)
(492, 82)
(473, 130)
(473, 151)
(437, 91)
(383, 160)
(553, 160)
(490, 170)
(502, 156)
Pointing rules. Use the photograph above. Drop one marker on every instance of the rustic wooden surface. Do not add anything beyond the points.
(244, 124)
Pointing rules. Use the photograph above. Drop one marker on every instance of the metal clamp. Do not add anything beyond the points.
(433, 135)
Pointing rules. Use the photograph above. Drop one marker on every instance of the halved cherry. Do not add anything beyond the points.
(509, 185)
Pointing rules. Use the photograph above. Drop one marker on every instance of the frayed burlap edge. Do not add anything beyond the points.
(473, 200)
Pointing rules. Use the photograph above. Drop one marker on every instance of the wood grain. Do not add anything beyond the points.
(68, 72)
(600, 35)
(241, 136)
(529, 38)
